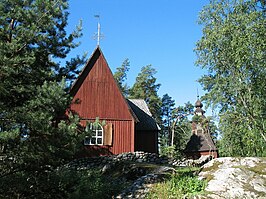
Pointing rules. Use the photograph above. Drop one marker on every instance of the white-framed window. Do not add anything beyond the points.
(96, 137)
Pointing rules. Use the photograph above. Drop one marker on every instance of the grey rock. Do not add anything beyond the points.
(235, 177)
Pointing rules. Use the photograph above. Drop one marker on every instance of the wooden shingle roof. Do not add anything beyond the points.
(200, 142)
(141, 110)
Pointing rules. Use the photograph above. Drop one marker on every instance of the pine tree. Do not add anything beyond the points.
(145, 87)
(35, 138)
(121, 75)
(168, 105)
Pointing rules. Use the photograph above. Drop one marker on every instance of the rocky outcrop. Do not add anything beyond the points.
(235, 177)
(142, 185)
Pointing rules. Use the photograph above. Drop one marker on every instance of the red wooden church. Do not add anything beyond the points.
(129, 124)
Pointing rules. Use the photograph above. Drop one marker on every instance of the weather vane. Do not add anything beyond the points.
(98, 35)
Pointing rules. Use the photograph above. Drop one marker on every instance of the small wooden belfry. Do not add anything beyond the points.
(201, 142)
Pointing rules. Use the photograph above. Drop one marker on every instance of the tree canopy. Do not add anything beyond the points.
(35, 137)
(121, 75)
(167, 108)
(232, 49)
(146, 87)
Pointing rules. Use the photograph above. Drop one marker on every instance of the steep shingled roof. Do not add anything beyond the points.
(200, 142)
(141, 110)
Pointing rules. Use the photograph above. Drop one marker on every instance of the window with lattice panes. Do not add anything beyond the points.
(96, 137)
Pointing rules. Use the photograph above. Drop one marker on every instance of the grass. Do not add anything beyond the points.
(182, 184)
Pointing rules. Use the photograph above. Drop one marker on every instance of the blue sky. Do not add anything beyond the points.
(162, 33)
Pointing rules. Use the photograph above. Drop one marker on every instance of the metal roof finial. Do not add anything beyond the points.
(98, 35)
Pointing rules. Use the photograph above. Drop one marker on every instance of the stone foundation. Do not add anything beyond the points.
(139, 157)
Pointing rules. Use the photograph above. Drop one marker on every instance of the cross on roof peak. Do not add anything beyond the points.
(197, 94)
(98, 35)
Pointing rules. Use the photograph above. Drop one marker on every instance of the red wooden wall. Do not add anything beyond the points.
(98, 95)
(198, 154)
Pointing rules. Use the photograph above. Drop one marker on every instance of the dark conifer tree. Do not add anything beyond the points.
(121, 75)
(34, 138)
(168, 105)
(147, 88)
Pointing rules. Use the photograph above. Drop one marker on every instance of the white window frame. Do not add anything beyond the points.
(96, 130)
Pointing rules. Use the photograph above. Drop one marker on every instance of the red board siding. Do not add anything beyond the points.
(99, 95)
(122, 139)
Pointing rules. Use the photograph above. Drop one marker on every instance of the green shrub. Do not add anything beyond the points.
(169, 151)
(182, 184)
(93, 184)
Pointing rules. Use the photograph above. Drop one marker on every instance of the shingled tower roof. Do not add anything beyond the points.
(200, 139)
(199, 110)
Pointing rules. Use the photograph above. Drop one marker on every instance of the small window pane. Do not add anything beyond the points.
(99, 127)
(87, 140)
(93, 140)
(99, 141)
(93, 133)
(199, 131)
(100, 133)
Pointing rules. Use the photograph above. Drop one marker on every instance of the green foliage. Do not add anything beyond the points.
(197, 118)
(121, 75)
(93, 184)
(36, 138)
(181, 185)
(146, 88)
(239, 141)
(34, 149)
(169, 151)
(63, 183)
(166, 110)
(175, 124)
(213, 129)
(98, 122)
(232, 49)
(182, 135)
(182, 127)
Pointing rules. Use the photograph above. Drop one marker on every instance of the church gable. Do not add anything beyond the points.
(97, 93)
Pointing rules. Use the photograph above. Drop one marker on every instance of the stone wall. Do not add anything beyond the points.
(138, 156)
(99, 161)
